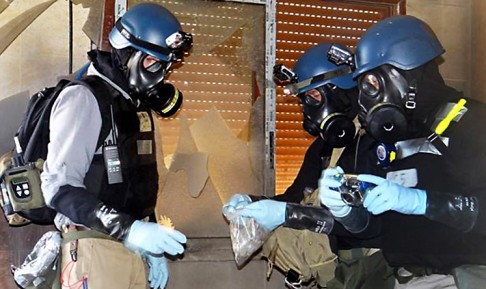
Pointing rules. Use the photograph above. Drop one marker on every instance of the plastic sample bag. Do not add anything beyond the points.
(247, 236)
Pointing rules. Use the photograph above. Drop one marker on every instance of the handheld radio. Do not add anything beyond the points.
(112, 157)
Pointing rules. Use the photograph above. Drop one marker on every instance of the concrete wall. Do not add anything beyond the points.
(457, 24)
(36, 58)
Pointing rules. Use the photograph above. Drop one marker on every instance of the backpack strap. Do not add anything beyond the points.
(95, 84)
(101, 91)
(34, 140)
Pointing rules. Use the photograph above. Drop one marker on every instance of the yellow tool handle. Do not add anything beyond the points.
(444, 124)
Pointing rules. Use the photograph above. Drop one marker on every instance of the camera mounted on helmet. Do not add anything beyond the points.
(340, 56)
(177, 44)
(285, 75)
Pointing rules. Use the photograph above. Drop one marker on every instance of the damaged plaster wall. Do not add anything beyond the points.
(39, 55)
(228, 41)
(34, 53)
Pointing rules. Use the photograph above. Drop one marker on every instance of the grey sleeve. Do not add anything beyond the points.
(75, 125)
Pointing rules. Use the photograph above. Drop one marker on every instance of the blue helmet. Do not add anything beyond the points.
(328, 109)
(314, 62)
(403, 41)
(151, 29)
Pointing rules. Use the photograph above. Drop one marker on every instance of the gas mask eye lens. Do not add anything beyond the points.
(312, 97)
(156, 66)
(370, 84)
(152, 64)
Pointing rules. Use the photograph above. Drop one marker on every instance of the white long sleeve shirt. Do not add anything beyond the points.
(75, 125)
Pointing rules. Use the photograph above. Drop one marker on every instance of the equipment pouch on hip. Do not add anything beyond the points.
(301, 252)
(97, 260)
(21, 189)
(40, 268)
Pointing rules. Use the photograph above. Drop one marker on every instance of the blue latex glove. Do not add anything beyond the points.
(388, 195)
(329, 194)
(268, 213)
(158, 272)
(155, 239)
(237, 201)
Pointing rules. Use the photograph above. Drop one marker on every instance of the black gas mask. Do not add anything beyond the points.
(386, 98)
(328, 113)
(145, 75)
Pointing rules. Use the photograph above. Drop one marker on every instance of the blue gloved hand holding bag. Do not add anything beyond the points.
(237, 201)
(268, 213)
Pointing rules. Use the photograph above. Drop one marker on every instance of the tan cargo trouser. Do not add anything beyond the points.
(100, 264)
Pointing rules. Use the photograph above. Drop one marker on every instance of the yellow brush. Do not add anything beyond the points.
(444, 124)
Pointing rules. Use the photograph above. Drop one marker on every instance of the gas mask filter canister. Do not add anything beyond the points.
(164, 99)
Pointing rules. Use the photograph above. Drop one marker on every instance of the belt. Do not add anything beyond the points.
(73, 245)
(73, 228)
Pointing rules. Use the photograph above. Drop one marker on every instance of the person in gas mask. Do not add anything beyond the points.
(107, 191)
(329, 104)
(425, 160)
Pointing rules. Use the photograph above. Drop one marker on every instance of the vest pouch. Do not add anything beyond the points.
(41, 267)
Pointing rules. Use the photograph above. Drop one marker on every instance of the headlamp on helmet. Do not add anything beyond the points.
(152, 29)
(284, 75)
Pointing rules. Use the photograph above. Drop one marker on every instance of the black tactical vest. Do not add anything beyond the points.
(409, 240)
(137, 194)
